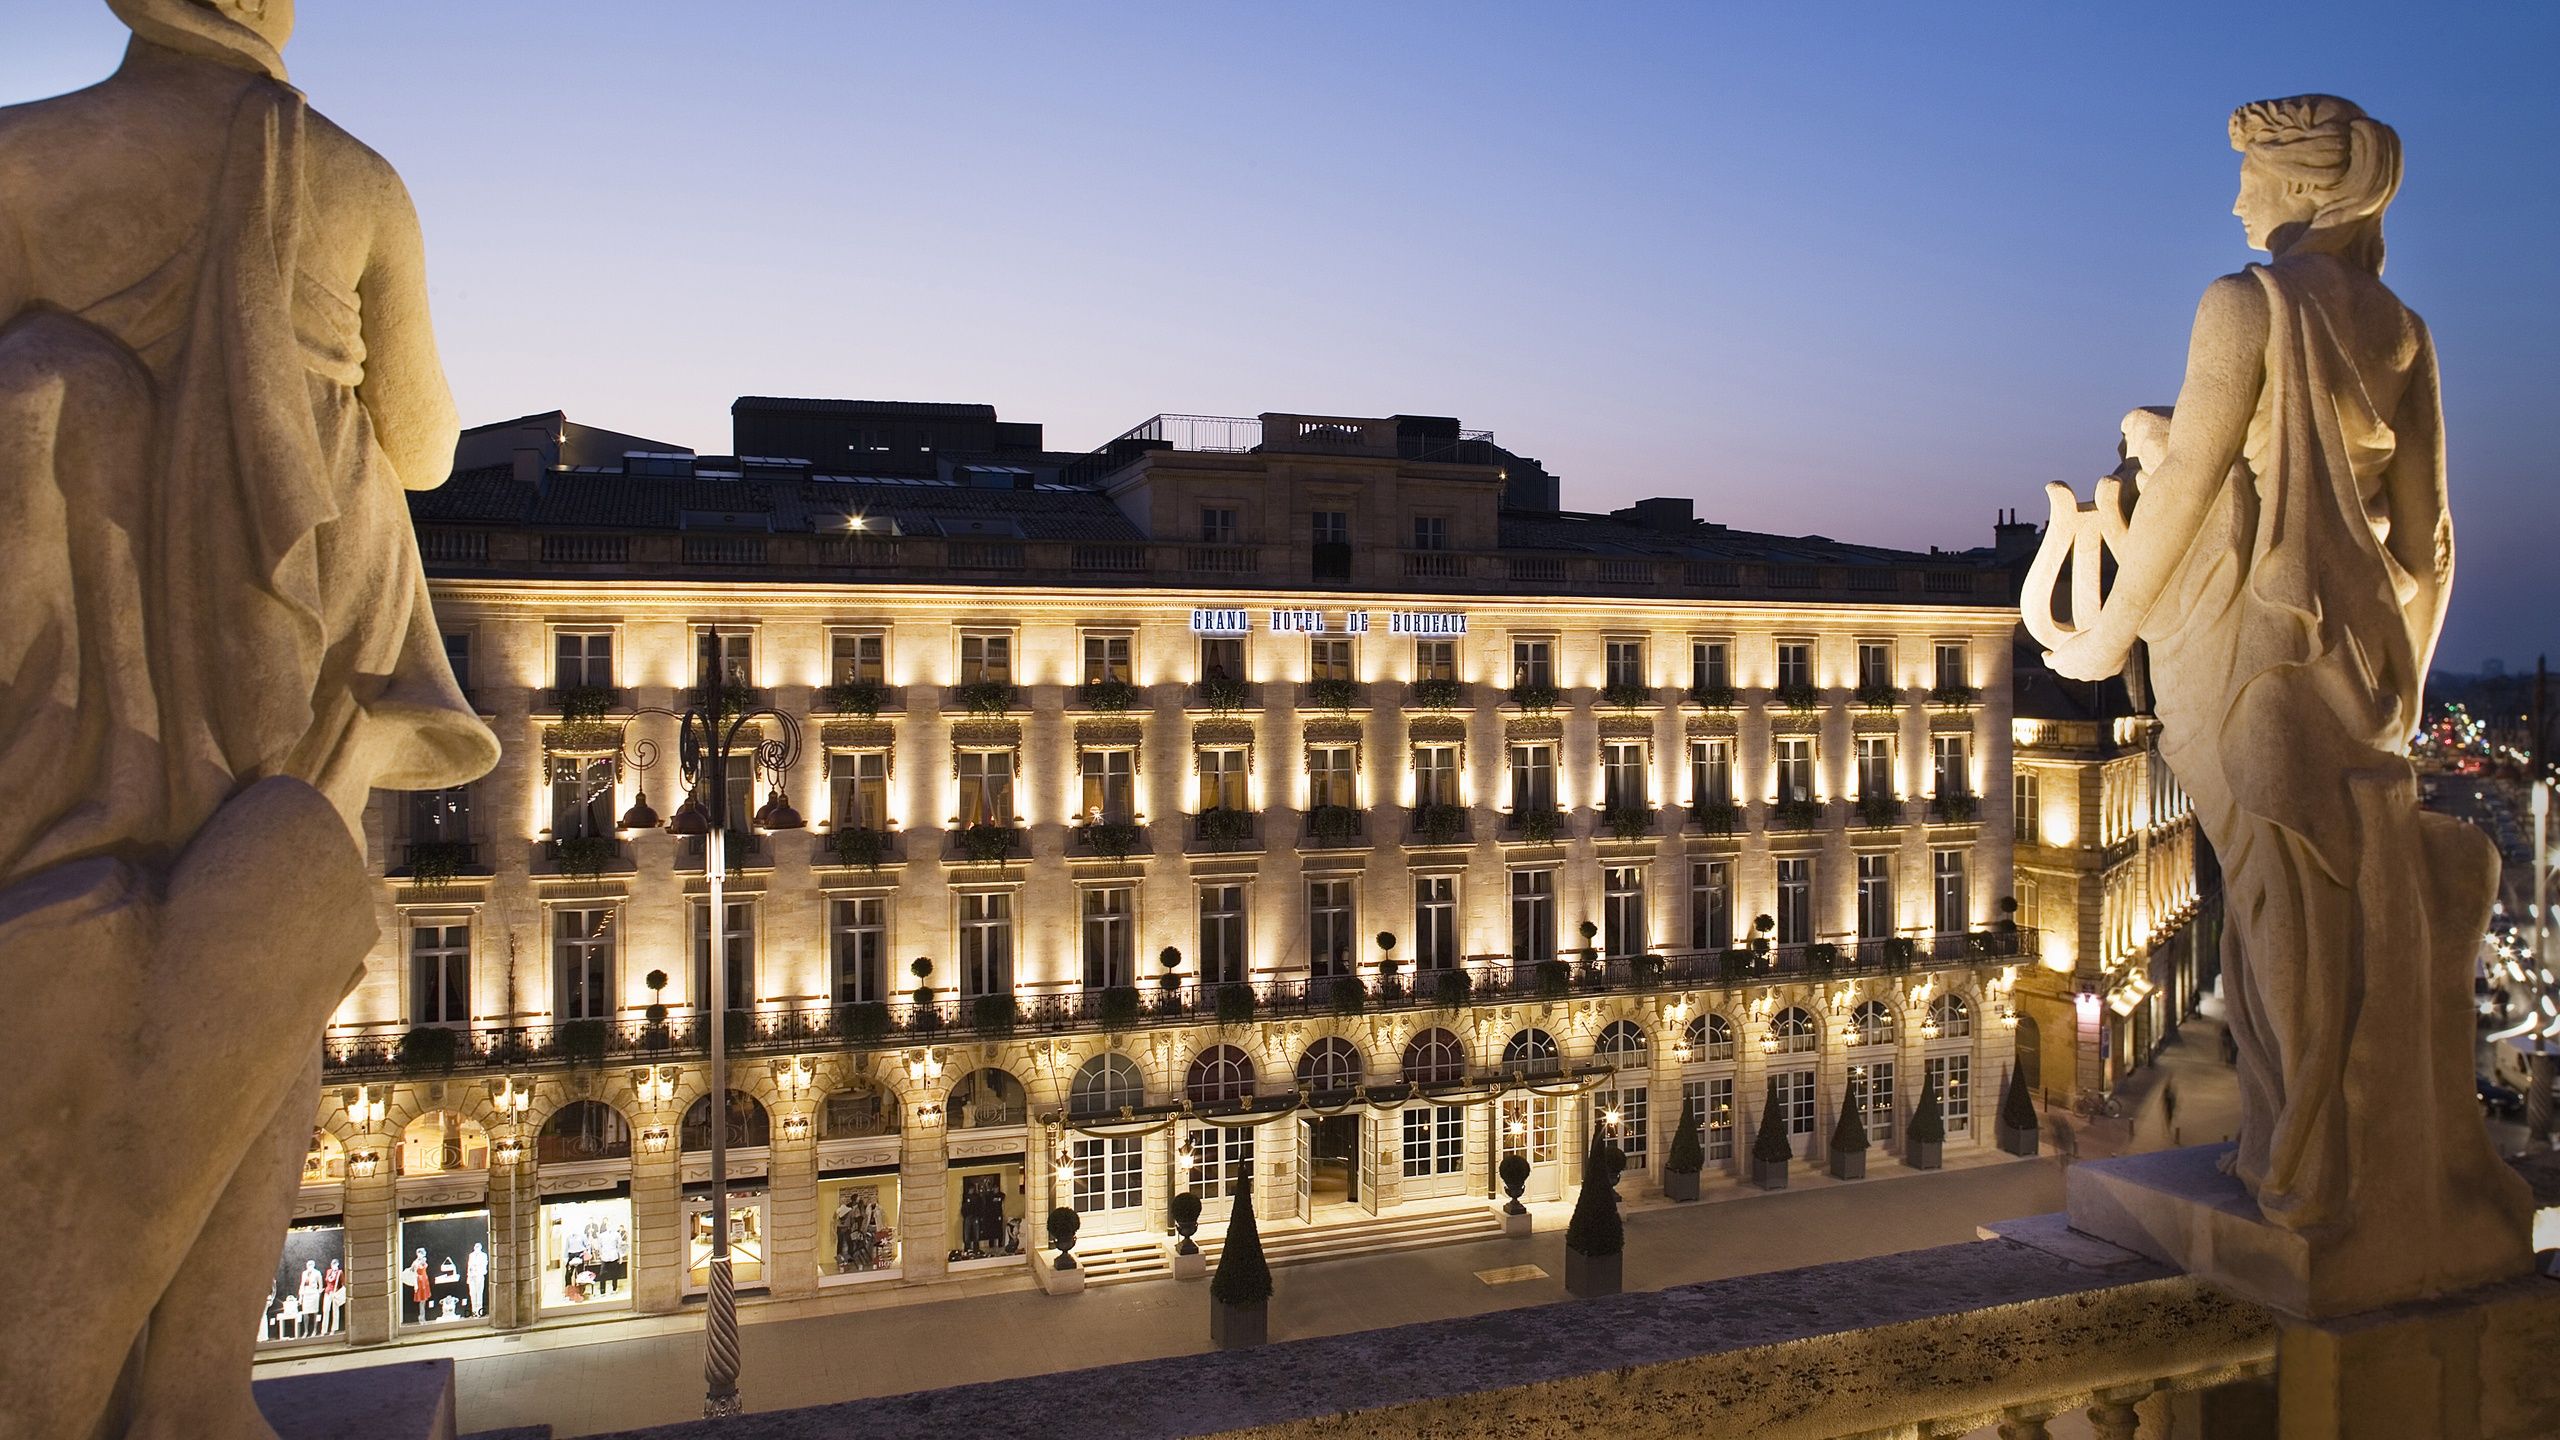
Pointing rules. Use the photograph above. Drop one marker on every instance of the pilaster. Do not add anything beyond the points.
(368, 1206)
(657, 1229)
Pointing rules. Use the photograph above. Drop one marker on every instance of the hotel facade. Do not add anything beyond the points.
(1301, 801)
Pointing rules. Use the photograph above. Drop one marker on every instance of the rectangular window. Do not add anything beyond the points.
(1430, 532)
(986, 657)
(1712, 1099)
(1110, 945)
(858, 657)
(986, 943)
(1435, 922)
(1222, 943)
(1954, 897)
(1106, 657)
(1948, 763)
(1875, 665)
(1110, 786)
(1222, 657)
(1332, 527)
(1795, 768)
(858, 936)
(440, 816)
(581, 798)
(1435, 659)
(1222, 781)
(1634, 1121)
(1332, 929)
(1875, 1098)
(1875, 767)
(583, 658)
(1329, 658)
(1533, 661)
(1622, 784)
(1331, 780)
(986, 786)
(737, 945)
(1795, 1099)
(1533, 916)
(2028, 790)
(1795, 665)
(1622, 911)
(1711, 664)
(1626, 663)
(1110, 1172)
(1711, 905)
(731, 653)
(1953, 1075)
(858, 791)
(1435, 774)
(1218, 525)
(440, 973)
(1875, 896)
(1533, 778)
(1435, 1141)
(1795, 900)
(457, 657)
(1711, 772)
(583, 945)
(1953, 669)
(1221, 1157)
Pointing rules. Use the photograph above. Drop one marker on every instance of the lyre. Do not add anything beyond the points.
(2081, 534)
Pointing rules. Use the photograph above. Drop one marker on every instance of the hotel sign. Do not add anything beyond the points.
(1238, 620)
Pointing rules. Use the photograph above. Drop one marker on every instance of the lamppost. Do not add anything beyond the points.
(707, 737)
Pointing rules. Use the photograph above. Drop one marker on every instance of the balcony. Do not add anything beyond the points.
(1333, 694)
(584, 702)
(1798, 814)
(429, 863)
(1954, 697)
(1713, 697)
(1626, 695)
(1953, 809)
(1438, 693)
(861, 699)
(585, 856)
(984, 845)
(1222, 831)
(1335, 827)
(731, 700)
(1803, 699)
(1877, 812)
(858, 847)
(1631, 821)
(1878, 695)
(1221, 560)
(1535, 695)
(1441, 825)
(1109, 839)
(1434, 565)
(1224, 694)
(1534, 825)
(983, 697)
(1107, 697)
(744, 846)
(1716, 817)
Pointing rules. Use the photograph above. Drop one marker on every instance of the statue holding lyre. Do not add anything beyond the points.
(2280, 542)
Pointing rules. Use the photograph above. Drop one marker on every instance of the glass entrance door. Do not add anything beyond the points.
(1529, 1127)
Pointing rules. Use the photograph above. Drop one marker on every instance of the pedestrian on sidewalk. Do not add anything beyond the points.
(2169, 1109)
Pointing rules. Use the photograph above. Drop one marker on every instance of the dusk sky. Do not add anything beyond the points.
(1871, 273)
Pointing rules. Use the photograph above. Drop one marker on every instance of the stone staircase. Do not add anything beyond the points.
(1291, 1242)
(1120, 1259)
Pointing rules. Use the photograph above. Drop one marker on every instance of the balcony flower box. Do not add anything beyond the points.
(1536, 695)
(585, 702)
(1333, 694)
(1110, 697)
(1716, 817)
(1799, 698)
(429, 1050)
(1439, 824)
(1627, 822)
(1330, 825)
(1110, 839)
(1877, 812)
(853, 697)
(1955, 695)
(860, 847)
(1712, 697)
(1224, 829)
(1626, 696)
(1224, 693)
(1537, 827)
(1795, 815)
(988, 844)
(584, 856)
(986, 697)
(1452, 989)
(1119, 1007)
(1235, 1004)
(1953, 809)
(1348, 996)
(1439, 694)
(994, 1015)
(434, 863)
(1879, 697)
(863, 1023)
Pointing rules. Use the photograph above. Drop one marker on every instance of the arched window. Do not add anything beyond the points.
(1531, 1052)
(1623, 1043)
(1873, 1024)
(1331, 1066)
(325, 1161)
(1435, 1057)
(1710, 1037)
(864, 1110)
(1220, 1075)
(1106, 1083)
(1795, 1031)
(583, 1130)
(748, 1126)
(1950, 1016)
(986, 1097)
(441, 1140)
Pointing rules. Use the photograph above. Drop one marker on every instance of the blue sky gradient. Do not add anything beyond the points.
(1864, 271)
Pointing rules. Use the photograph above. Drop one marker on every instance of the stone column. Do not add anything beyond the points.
(2115, 1420)
(1910, 1072)
(1164, 1179)
(1750, 1084)
(515, 1243)
(791, 1202)
(1988, 1071)
(367, 1210)
(924, 1200)
(657, 1226)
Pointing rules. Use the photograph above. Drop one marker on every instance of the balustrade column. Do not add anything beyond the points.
(2024, 1427)
(2115, 1420)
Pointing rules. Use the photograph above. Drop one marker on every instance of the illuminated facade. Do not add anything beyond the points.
(2108, 875)
(1257, 797)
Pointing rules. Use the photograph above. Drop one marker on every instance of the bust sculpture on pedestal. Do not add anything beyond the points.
(216, 378)
(2284, 549)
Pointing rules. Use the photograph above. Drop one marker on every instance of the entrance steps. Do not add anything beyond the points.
(1118, 1260)
(1292, 1242)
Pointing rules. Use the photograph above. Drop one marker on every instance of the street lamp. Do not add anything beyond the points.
(707, 736)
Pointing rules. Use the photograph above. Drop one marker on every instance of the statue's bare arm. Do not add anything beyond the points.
(15, 283)
(404, 387)
(2421, 537)
(2226, 362)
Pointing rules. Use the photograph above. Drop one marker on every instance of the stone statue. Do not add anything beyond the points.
(2284, 550)
(216, 377)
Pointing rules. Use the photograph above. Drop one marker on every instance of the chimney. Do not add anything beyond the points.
(1668, 513)
(2011, 539)
(529, 467)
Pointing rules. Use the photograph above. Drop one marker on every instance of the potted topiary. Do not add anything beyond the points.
(1924, 1143)
(1453, 988)
(1849, 1139)
(1687, 1156)
(1240, 1293)
(2018, 1129)
(1595, 1239)
(1235, 1004)
(1770, 1147)
(1761, 928)
(1514, 1171)
(1170, 982)
(1188, 1262)
(1389, 987)
(429, 1050)
(1065, 1277)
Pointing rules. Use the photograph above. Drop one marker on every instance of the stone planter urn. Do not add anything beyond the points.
(1769, 1174)
(1848, 1164)
(1677, 1186)
(1233, 1327)
(1588, 1277)
(1924, 1154)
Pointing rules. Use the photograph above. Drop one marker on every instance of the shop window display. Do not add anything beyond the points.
(584, 1130)
(440, 1142)
(858, 1224)
(858, 1114)
(987, 1097)
(309, 1298)
(986, 1212)
(325, 1163)
(444, 1270)
(746, 1239)
(586, 1251)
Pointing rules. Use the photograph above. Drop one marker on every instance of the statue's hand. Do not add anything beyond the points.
(2094, 653)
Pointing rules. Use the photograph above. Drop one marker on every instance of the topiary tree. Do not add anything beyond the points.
(1688, 1153)
(2017, 1107)
(1769, 1144)
(1928, 1126)
(1244, 1277)
(1596, 1228)
(1186, 1218)
(1851, 1133)
(1514, 1171)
